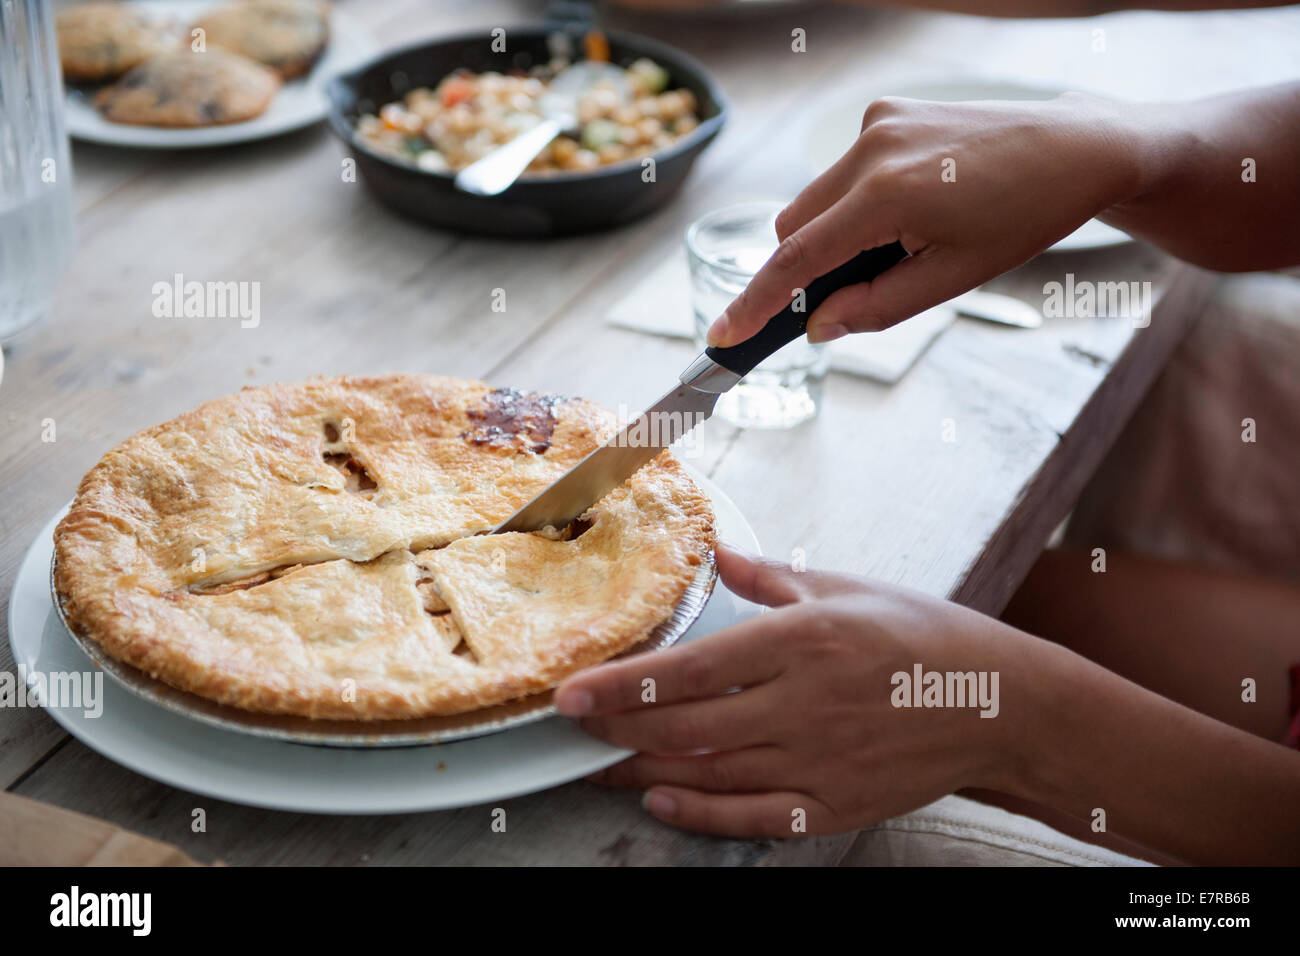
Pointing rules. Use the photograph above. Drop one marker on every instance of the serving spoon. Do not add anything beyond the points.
(497, 171)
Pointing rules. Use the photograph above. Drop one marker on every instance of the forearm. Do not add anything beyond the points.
(1166, 776)
(1217, 185)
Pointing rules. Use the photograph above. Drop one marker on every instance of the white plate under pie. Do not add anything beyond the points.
(233, 766)
(298, 103)
(830, 133)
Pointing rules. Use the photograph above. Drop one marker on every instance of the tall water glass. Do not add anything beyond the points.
(36, 235)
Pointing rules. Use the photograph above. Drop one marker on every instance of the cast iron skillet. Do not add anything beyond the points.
(536, 206)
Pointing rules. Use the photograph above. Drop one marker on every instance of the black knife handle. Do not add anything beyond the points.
(787, 325)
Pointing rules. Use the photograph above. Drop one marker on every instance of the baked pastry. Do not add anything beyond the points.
(317, 548)
(101, 41)
(286, 35)
(190, 89)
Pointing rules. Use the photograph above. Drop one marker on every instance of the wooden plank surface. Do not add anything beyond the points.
(870, 486)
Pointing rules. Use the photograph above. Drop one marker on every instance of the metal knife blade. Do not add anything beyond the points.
(995, 307)
(667, 420)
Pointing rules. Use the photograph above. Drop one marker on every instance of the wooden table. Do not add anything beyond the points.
(869, 487)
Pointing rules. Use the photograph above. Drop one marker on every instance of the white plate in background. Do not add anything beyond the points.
(831, 133)
(298, 103)
(203, 759)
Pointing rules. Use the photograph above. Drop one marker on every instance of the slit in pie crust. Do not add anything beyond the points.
(319, 549)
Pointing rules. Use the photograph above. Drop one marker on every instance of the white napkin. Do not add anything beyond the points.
(661, 304)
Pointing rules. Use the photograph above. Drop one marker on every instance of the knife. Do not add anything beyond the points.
(998, 308)
(688, 403)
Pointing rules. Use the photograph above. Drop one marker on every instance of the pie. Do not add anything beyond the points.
(186, 89)
(319, 548)
(286, 35)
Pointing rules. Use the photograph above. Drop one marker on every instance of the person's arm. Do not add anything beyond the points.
(793, 719)
(1166, 776)
(972, 190)
(1223, 195)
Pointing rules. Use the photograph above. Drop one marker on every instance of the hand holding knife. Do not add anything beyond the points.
(713, 372)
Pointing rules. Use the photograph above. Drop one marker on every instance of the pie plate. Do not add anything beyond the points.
(176, 747)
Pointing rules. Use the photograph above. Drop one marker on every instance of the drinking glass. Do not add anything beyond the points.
(725, 248)
(36, 234)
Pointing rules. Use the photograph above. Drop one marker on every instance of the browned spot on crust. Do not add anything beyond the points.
(508, 417)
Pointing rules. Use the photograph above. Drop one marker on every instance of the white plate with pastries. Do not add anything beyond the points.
(299, 102)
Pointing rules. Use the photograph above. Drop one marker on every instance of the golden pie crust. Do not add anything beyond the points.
(317, 549)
